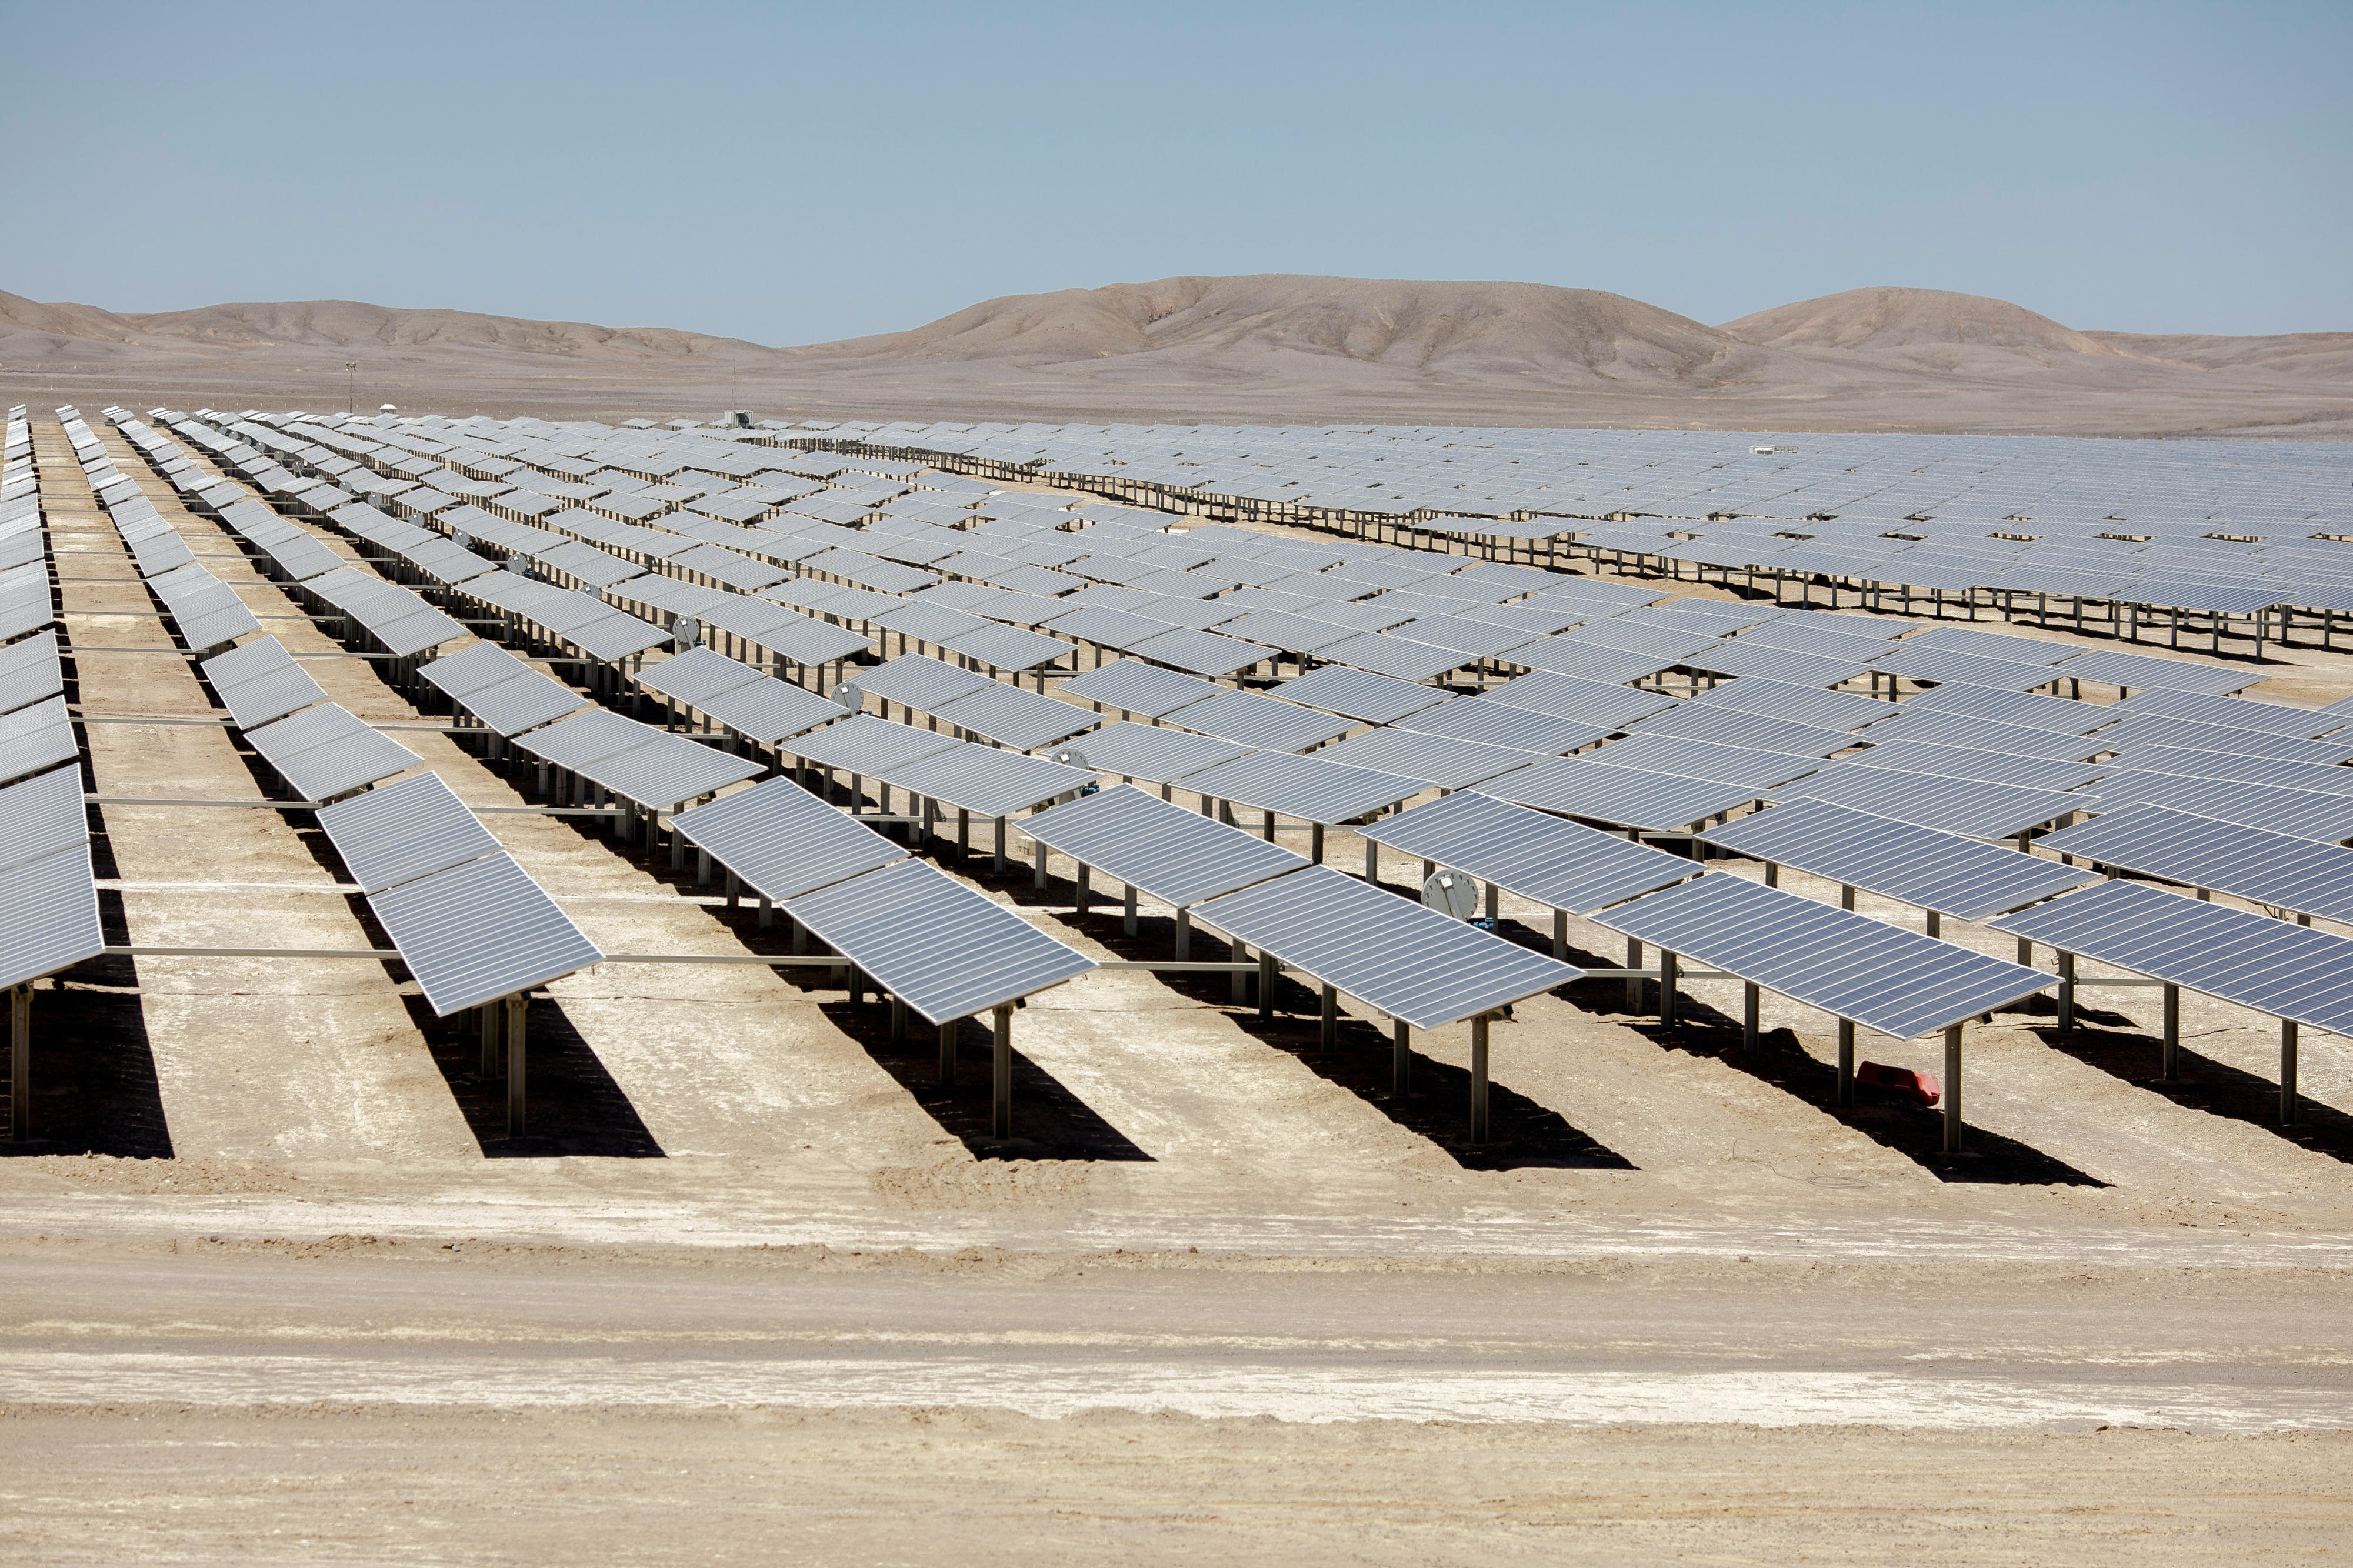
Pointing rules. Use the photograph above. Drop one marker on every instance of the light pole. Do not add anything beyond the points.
(351, 380)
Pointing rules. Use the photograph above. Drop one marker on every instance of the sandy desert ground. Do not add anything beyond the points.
(277, 1289)
(1276, 349)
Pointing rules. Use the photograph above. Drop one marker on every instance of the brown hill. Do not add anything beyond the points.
(1422, 328)
(1265, 349)
(1884, 321)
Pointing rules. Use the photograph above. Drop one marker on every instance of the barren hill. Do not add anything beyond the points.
(1266, 348)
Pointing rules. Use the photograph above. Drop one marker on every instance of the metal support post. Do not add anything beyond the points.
(1936, 924)
(1846, 1062)
(489, 1015)
(1494, 903)
(2066, 992)
(1479, 1078)
(1037, 855)
(1560, 935)
(1667, 970)
(1772, 875)
(1846, 894)
(20, 1062)
(1400, 1059)
(1331, 1018)
(1266, 974)
(1750, 996)
(898, 1021)
(677, 843)
(518, 1060)
(948, 1051)
(964, 833)
(767, 912)
(1372, 862)
(1952, 1088)
(1085, 891)
(1634, 987)
(1127, 917)
(2170, 1063)
(1000, 1111)
(2287, 1072)
(1184, 935)
(1000, 866)
(701, 868)
(1237, 953)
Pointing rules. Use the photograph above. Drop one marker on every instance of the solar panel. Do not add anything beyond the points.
(1305, 787)
(1965, 877)
(1439, 761)
(2159, 730)
(944, 950)
(2198, 763)
(1799, 704)
(2137, 670)
(1009, 647)
(1967, 762)
(1395, 657)
(782, 841)
(668, 769)
(1734, 727)
(1587, 661)
(1744, 656)
(36, 737)
(1154, 754)
(2233, 712)
(583, 741)
(1563, 864)
(1198, 652)
(986, 781)
(405, 831)
(1012, 717)
(523, 701)
(1849, 966)
(479, 932)
(1176, 856)
(2287, 971)
(918, 682)
(1264, 722)
(768, 710)
(696, 673)
(1134, 687)
(472, 668)
(1627, 797)
(1971, 807)
(870, 746)
(48, 915)
(2008, 706)
(1494, 723)
(267, 685)
(29, 671)
(2321, 814)
(41, 816)
(1397, 957)
(1359, 694)
(1753, 769)
(1597, 702)
(1981, 734)
(2276, 868)
(325, 751)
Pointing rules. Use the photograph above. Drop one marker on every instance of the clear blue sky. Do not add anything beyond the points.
(791, 174)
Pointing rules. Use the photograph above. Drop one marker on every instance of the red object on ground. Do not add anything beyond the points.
(1921, 1087)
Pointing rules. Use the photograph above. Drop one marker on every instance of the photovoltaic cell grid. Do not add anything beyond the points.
(2287, 971)
(2276, 868)
(1395, 956)
(1176, 856)
(480, 930)
(1965, 877)
(942, 948)
(1533, 855)
(1849, 966)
